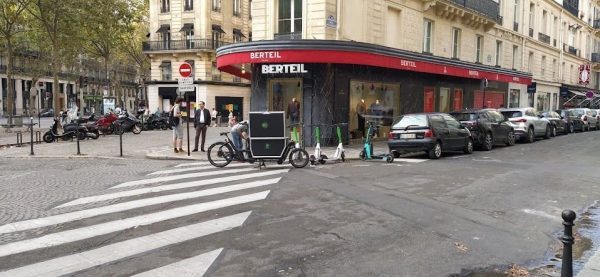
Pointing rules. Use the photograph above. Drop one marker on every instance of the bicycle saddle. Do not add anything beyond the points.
(224, 133)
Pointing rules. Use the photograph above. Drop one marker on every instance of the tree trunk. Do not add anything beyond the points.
(33, 93)
(55, 87)
(10, 89)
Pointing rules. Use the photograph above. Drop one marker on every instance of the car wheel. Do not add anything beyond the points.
(530, 135)
(469, 147)
(571, 129)
(548, 133)
(488, 142)
(510, 141)
(436, 151)
(553, 131)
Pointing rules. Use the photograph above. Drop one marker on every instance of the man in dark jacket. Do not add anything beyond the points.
(201, 121)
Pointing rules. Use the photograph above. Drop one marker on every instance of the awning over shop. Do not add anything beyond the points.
(235, 59)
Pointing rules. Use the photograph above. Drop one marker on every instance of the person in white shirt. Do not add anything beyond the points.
(201, 121)
(213, 117)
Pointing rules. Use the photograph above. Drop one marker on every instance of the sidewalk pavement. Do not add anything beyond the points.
(592, 267)
(148, 144)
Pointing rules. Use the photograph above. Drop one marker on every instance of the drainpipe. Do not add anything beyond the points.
(339, 19)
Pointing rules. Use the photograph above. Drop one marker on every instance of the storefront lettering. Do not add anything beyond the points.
(265, 55)
(283, 68)
(516, 79)
(408, 63)
(473, 73)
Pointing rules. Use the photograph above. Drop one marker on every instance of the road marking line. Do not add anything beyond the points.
(542, 214)
(171, 171)
(122, 224)
(194, 266)
(193, 164)
(120, 250)
(410, 160)
(182, 176)
(125, 206)
(122, 194)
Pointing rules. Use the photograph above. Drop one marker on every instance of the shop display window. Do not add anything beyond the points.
(373, 101)
(281, 94)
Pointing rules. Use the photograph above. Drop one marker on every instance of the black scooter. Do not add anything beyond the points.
(126, 123)
(71, 130)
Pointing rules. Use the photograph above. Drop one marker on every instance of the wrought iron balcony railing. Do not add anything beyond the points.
(544, 38)
(488, 8)
(596, 57)
(190, 44)
(288, 36)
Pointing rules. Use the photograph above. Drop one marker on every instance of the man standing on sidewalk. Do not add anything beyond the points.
(201, 121)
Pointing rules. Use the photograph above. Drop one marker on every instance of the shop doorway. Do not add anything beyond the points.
(227, 105)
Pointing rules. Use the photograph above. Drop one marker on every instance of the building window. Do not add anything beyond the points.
(515, 97)
(427, 33)
(217, 36)
(563, 71)
(216, 5)
(571, 75)
(479, 49)
(191, 62)
(187, 32)
(237, 7)
(531, 18)
(164, 36)
(553, 69)
(250, 9)
(165, 69)
(516, 16)
(544, 22)
(514, 56)
(189, 5)
(165, 6)
(455, 43)
(290, 16)
(530, 63)
(216, 74)
(238, 36)
(543, 72)
(498, 52)
(249, 36)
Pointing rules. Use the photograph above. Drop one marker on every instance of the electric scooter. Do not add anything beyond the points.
(367, 152)
(340, 154)
(318, 156)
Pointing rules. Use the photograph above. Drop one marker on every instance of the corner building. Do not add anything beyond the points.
(376, 58)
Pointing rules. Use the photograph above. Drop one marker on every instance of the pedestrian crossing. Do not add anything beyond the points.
(183, 194)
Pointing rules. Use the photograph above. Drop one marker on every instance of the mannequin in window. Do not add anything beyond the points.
(361, 109)
(293, 111)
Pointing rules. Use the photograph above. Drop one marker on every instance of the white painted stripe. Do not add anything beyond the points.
(192, 267)
(542, 214)
(410, 160)
(182, 176)
(120, 250)
(179, 170)
(122, 224)
(192, 164)
(122, 194)
(78, 215)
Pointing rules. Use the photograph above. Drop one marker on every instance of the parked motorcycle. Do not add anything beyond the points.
(70, 131)
(127, 122)
(105, 124)
(154, 122)
(92, 130)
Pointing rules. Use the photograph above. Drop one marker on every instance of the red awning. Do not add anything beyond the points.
(234, 58)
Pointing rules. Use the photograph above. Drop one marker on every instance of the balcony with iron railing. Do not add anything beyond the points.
(288, 36)
(571, 7)
(570, 49)
(544, 38)
(596, 57)
(189, 44)
(596, 24)
(487, 8)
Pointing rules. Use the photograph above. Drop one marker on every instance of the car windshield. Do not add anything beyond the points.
(411, 121)
(512, 114)
(465, 116)
(578, 112)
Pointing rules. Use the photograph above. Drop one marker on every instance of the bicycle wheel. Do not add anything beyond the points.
(220, 154)
(299, 158)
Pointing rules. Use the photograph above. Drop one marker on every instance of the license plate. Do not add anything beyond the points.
(408, 136)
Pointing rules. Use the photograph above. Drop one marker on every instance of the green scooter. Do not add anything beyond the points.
(318, 156)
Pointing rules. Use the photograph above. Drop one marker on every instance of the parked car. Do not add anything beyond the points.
(574, 122)
(433, 133)
(557, 123)
(589, 120)
(488, 127)
(47, 113)
(527, 124)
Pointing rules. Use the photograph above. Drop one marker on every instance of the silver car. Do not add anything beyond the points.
(589, 118)
(527, 123)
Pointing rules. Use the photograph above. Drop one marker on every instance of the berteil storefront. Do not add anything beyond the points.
(351, 82)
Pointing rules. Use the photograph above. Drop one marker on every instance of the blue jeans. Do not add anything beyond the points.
(236, 138)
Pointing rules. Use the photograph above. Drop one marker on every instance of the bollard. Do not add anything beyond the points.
(19, 139)
(121, 143)
(567, 239)
(38, 137)
(78, 149)
(31, 131)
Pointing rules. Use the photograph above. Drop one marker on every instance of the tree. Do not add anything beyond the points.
(132, 45)
(11, 25)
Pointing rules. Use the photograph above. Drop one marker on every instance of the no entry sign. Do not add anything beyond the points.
(185, 70)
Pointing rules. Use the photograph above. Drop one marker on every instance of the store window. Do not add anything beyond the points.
(530, 99)
(555, 101)
(282, 93)
(458, 99)
(444, 100)
(514, 98)
(373, 101)
(429, 100)
(543, 101)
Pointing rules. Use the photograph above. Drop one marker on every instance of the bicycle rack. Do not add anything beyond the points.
(19, 139)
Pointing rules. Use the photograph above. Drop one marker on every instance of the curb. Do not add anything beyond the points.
(65, 157)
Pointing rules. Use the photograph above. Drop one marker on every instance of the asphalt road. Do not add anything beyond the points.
(415, 217)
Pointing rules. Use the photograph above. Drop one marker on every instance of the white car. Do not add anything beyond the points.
(589, 118)
(527, 123)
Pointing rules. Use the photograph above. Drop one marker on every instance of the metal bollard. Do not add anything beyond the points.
(121, 144)
(19, 139)
(31, 131)
(567, 239)
(38, 137)
(78, 148)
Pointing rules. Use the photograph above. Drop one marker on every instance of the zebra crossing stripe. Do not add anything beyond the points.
(125, 206)
(194, 266)
(116, 195)
(120, 250)
(179, 170)
(192, 164)
(122, 224)
(182, 176)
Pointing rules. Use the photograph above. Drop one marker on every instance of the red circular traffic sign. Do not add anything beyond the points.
(589, 94)
(185, 70)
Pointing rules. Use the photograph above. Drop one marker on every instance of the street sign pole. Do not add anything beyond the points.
(186, 84)
(187, 100)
